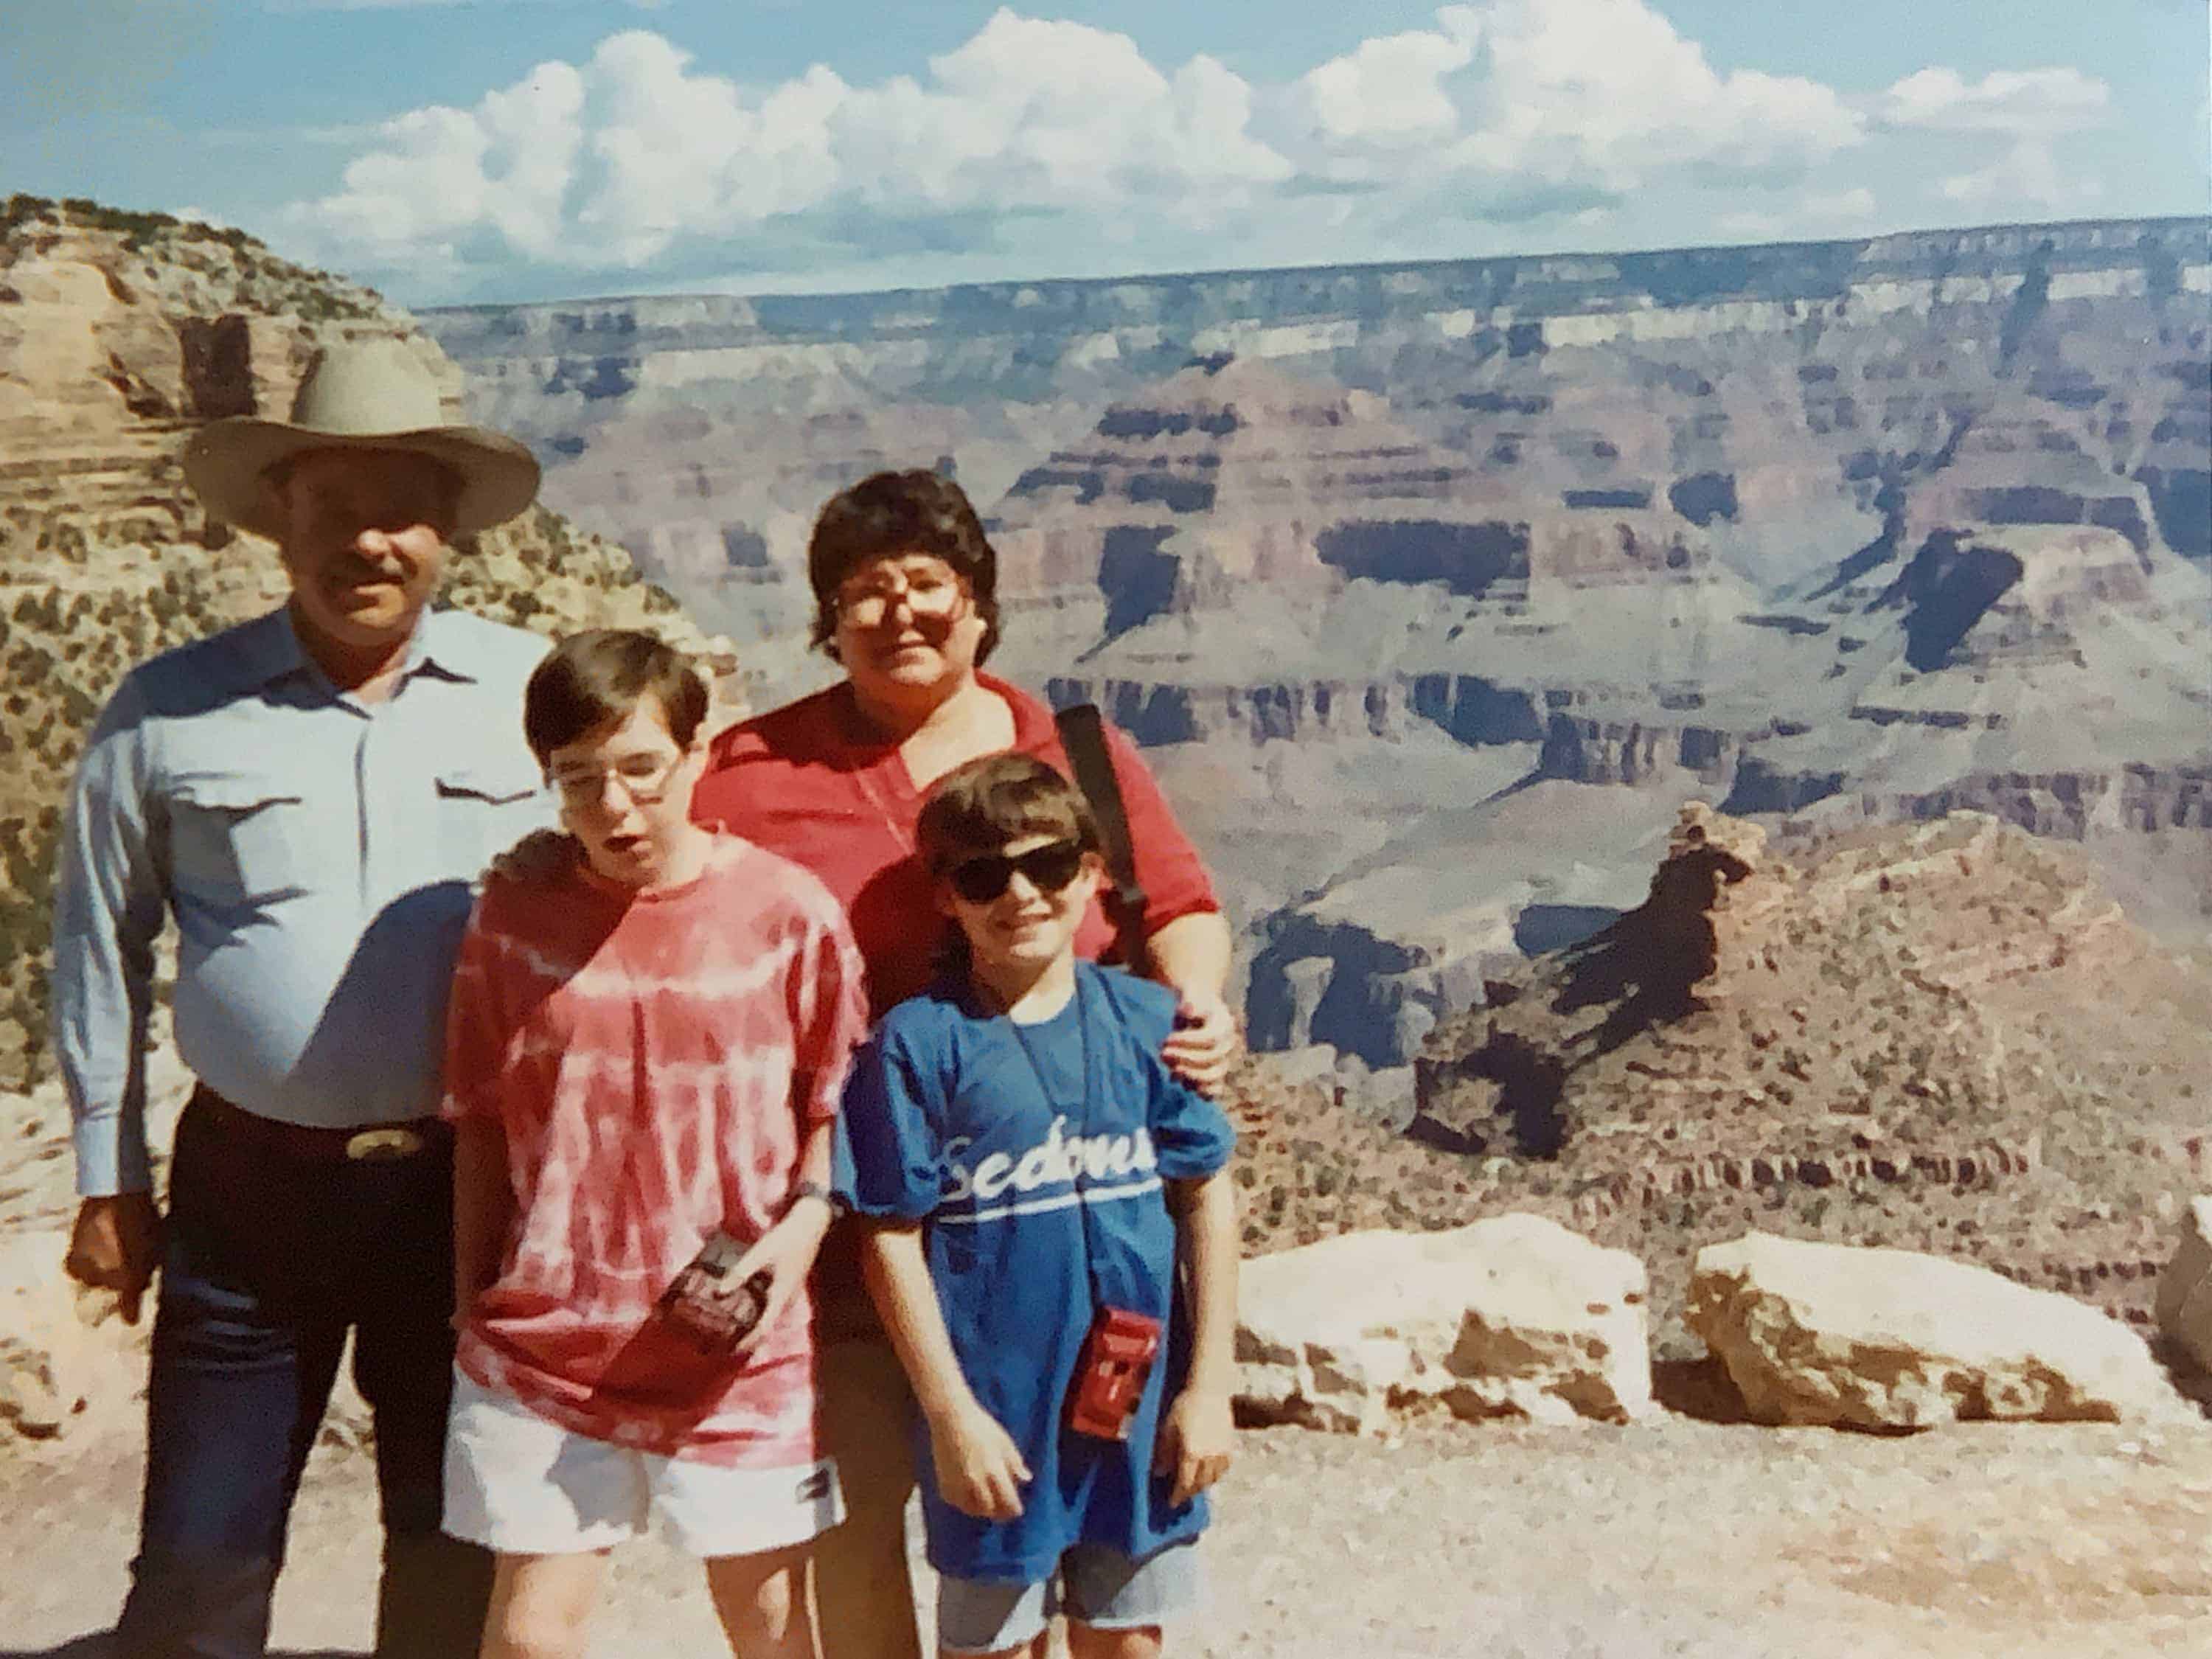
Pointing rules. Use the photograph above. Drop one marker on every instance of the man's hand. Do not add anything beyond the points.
(115, 1246)
(1196, 1440)
(787, 1250)
(537, 858)
(1204, 1042)
(980, 1470)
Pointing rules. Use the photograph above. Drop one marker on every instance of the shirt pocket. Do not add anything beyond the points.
(240, 838)
(483, 807)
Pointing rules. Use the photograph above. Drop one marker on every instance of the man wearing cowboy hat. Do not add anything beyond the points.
(309, 794)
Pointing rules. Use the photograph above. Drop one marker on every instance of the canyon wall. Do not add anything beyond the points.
(1821, 533)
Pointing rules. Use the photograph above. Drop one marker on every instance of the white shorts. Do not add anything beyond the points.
(521, 1484)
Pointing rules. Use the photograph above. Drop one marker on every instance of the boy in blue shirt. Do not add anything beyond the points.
(1033, 1176)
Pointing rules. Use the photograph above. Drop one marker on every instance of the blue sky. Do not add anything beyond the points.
(536, 148)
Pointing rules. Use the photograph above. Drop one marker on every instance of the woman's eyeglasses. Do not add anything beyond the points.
(643, 778)
(1050, 868)
(934, 593)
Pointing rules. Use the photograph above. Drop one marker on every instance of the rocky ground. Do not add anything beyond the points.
(1694, 1536)
(1686, 1539)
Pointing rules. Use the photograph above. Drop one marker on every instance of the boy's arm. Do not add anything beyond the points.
(829, 1016)
(1198, 1434)
(787, 1249)
(483, 1209)
(980, 1470)
(817, 1153)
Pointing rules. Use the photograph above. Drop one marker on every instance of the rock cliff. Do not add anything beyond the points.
(118, 332)
(1530, 360)
(1878, 1039)
(1883, 1032)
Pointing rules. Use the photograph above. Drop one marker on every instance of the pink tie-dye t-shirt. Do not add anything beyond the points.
(654, 1059)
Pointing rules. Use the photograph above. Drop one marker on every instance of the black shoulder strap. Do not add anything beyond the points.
(1082, 733)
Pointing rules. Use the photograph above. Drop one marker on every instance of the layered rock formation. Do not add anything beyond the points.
(118, 332)
(1879, 1040)
(1824, 533)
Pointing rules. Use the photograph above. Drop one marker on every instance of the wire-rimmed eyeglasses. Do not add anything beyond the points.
(644, 778)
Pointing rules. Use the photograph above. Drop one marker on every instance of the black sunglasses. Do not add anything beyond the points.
(1050, 868)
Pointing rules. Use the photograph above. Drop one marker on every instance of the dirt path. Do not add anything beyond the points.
(1684, 1539)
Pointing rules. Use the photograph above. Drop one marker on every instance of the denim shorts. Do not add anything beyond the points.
(1095, 1586)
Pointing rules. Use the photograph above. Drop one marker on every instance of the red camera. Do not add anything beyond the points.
(1109, 1383)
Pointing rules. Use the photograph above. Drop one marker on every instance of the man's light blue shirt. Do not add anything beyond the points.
(317, 852)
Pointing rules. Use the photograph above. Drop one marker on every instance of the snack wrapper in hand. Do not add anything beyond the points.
(710, 1310)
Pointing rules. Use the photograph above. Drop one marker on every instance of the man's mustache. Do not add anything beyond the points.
(361, 570)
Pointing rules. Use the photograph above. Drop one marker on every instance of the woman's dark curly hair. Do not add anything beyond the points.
(888, 514)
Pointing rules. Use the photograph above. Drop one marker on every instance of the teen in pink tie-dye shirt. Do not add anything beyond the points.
(654, 1059)
(643, 1052)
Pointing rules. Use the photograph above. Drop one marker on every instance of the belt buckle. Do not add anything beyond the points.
(383, 1146)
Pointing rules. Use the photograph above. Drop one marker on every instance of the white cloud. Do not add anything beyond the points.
(2026, 176)
(668, 148)
(425, 183)
(1513, 100)
(1041, 114)
(2026, 103)
(1390, 89)
(614, 162)
(2026, 111)
(1040, 145)
(1610, 87)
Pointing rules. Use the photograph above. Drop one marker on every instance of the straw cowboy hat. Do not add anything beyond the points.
(369, 395)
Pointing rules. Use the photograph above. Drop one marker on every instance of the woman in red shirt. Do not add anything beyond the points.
(905, 586)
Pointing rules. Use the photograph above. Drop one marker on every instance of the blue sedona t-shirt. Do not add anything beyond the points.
(1035, 1158)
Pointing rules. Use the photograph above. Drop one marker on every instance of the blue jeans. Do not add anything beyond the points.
(270, 1259)
(1095, 1585)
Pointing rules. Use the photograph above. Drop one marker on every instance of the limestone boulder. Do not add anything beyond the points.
(2183, 1304)
(1886, 1339)
(1513, 1316)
